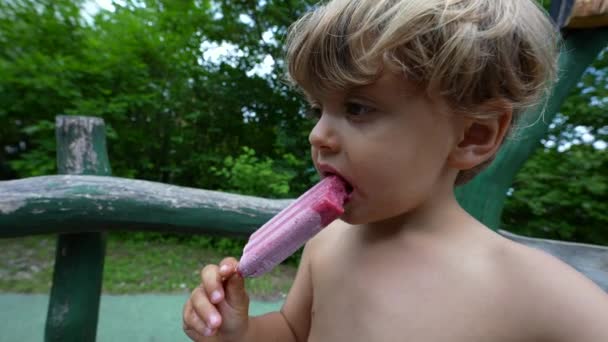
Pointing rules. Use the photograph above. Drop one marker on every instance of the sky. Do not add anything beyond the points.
(92, 6)
(212, 51)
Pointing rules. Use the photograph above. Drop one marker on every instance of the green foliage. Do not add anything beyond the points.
(174, 115)
(143, 266)
(562, 196)
(247, 174)
(221, 245)
(39, 161)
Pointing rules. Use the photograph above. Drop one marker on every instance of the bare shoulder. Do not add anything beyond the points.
(562, 303)
(329, 236)
(542, 270)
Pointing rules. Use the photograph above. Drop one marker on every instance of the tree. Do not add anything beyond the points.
(562, 191)
(176, 116)
(171, 114)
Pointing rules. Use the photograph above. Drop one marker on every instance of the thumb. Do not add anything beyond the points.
(236, 295)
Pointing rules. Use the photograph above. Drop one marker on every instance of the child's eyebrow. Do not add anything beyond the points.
(310, 99)
(373, 91)
(379, 89)
(367, 89)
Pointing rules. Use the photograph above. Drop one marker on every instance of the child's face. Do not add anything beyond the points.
(390, 143)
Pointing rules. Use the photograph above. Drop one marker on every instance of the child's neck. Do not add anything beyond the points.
(439, 215)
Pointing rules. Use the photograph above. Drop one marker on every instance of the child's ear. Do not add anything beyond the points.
(479, 138)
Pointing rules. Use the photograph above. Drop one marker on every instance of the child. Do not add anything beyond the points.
(411, 98)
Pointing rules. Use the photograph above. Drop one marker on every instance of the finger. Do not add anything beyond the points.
(205, 309)
(193, 335)
(228, 267)
(212, 283)
(197, 336)
(194, 324)
(236, 295)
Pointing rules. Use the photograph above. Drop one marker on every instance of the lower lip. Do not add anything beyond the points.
(349, 197)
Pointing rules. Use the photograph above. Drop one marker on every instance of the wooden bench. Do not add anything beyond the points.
(84, 202)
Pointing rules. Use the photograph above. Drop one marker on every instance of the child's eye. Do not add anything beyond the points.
(357, 110)
(314, 112)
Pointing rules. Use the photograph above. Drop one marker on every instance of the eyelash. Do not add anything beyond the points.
(315, 112)
(351, 105)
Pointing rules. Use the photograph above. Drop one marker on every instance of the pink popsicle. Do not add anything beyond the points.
(289, 230)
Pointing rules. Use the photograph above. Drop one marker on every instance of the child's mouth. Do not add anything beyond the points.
(347, 185)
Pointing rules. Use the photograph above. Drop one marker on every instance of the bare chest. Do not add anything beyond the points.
(366, 299)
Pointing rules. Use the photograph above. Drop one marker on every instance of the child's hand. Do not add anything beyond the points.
(219, 306)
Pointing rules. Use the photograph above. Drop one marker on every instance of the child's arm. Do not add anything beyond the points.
(230, 308)
(580, 308)
(298, 304)
(560, 303)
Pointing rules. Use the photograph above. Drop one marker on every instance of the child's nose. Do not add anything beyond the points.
(324, 135)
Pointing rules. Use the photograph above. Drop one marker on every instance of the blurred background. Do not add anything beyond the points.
(192, 93)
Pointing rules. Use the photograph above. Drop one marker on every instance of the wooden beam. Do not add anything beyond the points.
(74, 300)
(75, 204)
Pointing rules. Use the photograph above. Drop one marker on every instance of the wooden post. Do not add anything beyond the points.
(74, 301)
(484, 196)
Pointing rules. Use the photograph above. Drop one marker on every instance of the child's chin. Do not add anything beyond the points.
(350, 216)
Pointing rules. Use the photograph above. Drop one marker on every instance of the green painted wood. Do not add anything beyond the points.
(74, 301)
(74, 203)
(484, 196)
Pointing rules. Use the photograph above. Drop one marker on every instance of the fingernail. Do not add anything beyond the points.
(214, 320)
(216, 296)
(208, 332)
(224, 268)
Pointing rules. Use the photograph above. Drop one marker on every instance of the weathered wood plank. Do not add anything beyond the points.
(81, 146)
(590, 260)
(79, 258)
(63, 204)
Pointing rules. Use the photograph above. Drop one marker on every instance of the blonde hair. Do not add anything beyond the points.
(470, 52)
